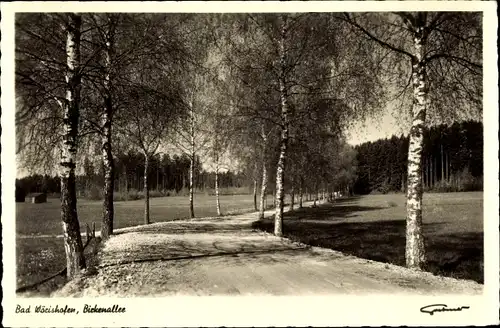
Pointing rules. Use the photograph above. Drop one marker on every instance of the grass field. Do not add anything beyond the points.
(40, 254)
(373, 227)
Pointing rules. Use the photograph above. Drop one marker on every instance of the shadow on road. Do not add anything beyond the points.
(328, 212)
(264, 256)
(187, 228)
(455, 255)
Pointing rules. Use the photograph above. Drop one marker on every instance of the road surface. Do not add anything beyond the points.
(225, 256)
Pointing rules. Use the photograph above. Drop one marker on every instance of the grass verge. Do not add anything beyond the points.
(377, 233)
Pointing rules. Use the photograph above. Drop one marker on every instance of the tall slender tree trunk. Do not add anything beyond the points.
(415, 248)
(107, 155)
(434, 171)
(263, 188)
(217, 200)
(431, 172)
(75, 260)
(191, 188)
(191, 166)
(146, 189)
(300, 192)
(280, 171)
(255, 189)
(424, 175)
(158, 176)
(442, 163)
(447, 166)
(292, 198)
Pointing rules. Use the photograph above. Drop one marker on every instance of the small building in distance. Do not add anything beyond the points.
(38, 198)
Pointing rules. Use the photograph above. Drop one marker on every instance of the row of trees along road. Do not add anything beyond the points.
(270, 93)
(166, 175)
(452, 160)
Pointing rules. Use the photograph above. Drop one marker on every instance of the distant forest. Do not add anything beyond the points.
(452, 161)
(166, 174)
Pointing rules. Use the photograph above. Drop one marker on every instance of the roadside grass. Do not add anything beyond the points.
(40, 254)
(373, 227)
(45, 218)
(40, 258)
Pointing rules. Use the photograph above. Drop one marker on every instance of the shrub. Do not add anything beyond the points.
(93, 193)
(462, 181)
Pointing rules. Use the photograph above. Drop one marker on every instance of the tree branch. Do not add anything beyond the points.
(374, 38)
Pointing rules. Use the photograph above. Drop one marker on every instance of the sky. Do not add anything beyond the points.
(375, 128)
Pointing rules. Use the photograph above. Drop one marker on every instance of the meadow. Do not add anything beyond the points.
(39, 253)
(373, 227)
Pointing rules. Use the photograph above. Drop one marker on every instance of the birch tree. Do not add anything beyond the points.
(439, 54)
(75, 260)
(191, 135)
(153, 106)
(105, 66)
(41, 66)
(49, 69)
(121, 41)
(219, 130)
(280, 58)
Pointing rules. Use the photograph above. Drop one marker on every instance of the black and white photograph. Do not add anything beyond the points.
(250, 164)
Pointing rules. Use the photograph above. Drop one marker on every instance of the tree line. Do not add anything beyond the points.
(452, 160)
(167, 176)
(270, 93)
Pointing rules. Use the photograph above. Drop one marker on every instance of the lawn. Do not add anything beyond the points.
(373, 227)
(45, 218)
(40, 254)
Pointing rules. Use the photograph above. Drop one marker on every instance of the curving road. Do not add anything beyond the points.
(224, 256)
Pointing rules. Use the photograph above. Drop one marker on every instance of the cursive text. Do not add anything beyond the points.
(440, 308)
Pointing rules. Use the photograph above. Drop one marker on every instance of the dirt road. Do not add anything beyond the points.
(224, 256)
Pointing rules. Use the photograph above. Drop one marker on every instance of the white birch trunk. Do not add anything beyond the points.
(263, 189)
(107, 155)
(75, 260)
(217, 200)
(191, 166)
(280, 171)
(415, 250)
(146, 189)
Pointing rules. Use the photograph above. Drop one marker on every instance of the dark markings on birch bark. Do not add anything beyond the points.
(191, 187)
(109, 168)
(415, 248)
(280, 171)
(217, 200)
(73, 245)
(191, 166)
(263, 188)
(146, 189)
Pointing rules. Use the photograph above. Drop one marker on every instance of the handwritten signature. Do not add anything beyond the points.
(440, 308)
